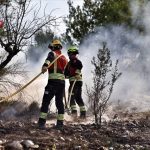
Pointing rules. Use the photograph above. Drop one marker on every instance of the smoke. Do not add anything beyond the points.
(131, 48)
(11, 111)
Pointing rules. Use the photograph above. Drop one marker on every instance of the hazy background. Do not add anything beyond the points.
(130, 47)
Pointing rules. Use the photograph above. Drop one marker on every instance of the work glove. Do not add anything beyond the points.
(44, 69)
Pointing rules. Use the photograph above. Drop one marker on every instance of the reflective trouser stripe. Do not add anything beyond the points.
(43, 115)
(60, 117)
(82, 108)
(56, 76)
(73, 107)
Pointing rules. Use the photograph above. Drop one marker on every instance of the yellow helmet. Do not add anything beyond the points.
(55, 45)
(56, 42)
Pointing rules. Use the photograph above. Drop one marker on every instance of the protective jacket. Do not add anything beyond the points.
(73, 72)
(56, 71)
(73, 69)
(55, 86)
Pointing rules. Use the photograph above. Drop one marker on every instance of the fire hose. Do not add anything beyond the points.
(69, 98)
(13, 94)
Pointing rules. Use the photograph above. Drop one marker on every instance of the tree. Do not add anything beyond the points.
(3, 2)
(21, 22)
(19, 28)
(41, 41)
(104, 78)
(96, 13)
(43, 37)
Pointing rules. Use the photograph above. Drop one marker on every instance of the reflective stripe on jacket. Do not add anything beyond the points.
(72, 69)
(74, 78)
(56, 70)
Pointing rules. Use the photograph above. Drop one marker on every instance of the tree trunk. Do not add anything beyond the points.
(7, 60)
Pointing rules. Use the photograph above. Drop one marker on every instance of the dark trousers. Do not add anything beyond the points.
(76, 96)
(53, 89)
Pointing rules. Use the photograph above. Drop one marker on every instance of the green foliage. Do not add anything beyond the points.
(43, 37)
(115, 12)
(83, 20)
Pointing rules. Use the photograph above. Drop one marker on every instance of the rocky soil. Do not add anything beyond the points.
(132, 133)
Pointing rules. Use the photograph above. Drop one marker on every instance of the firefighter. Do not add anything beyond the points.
(55, 86)
(73, 72)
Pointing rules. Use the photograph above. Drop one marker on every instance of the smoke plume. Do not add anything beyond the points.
(132, 49)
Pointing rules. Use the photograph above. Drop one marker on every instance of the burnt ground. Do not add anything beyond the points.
(129, 132)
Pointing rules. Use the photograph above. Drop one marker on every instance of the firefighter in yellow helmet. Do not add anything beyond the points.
(73, 72)
(56, 84)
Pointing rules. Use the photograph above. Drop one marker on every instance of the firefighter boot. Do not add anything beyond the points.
(59, 125)
(83, 115)
(74, 114)
(41, 123)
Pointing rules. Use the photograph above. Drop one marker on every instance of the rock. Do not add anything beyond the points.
(15, 145)
(55, 140)
(1, 142)
(131, 148)
(69, 139)
(103, 148)
(127, 146)
(62, 138)
(29, 144)
(2, 147)
(77, 148)
(141, 147)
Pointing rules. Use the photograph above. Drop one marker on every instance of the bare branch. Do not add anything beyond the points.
(19, 28)
(103, 85)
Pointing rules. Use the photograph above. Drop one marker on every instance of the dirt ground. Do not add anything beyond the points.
(132, 132)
